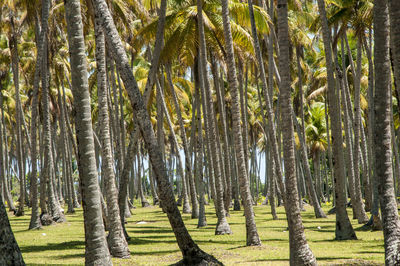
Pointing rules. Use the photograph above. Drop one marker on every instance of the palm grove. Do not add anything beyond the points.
(105, 102)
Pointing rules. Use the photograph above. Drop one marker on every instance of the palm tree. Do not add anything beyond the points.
(344, 229)
(252, 238)
(300, 252)
(13, 43)
(192, 254)
(382, 138)
(116, 239)
(188, 163)
(9, 249)
(35, 221)
(222, 224)
(96, 246)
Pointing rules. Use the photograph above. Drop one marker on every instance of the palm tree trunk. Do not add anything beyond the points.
(344, 229)
(96, 246)
(319, 213)
(300, 252)
(251, 229)
(48, 167)
(188, 163)
(9, 249)
(117, 243)
(190, 251)
(222, 223)
(221, 109)
(357, 200)
(13, 43)
(382, 140)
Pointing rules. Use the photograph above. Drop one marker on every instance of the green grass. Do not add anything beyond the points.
(153, 243)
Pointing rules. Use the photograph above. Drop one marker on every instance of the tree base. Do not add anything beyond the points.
(236, 205)
(46, 219)
(198, 257)
(223, 228)
(145, 204)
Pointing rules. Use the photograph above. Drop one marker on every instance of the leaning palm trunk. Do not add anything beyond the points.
(186, 206)
(96, 246)
(319, 213)
(192, 254)
(344, 229)
(116, 240)
(9, 249)
(188, 163)
(300, 252)
(357, 202)
(382, 140)
(222, 224)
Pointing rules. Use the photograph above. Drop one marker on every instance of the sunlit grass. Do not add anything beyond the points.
(153, 243)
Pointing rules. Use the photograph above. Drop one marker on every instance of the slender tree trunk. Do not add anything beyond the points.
(95, 241)
(357, 201)
(13, 43)
(188, 163)
(344, 229)
(382, 138)
(300, 252)
(222, 224)
(117, 243)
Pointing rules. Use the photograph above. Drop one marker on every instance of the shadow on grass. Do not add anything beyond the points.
(155, 252)
(140, 241)
(54, 246)
(136, 230)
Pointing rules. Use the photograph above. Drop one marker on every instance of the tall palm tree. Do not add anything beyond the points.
(344, 229)
(222, 224)
(252, 238)
(35, 221)
(192, 254)
(13, 43)
(300, 252)
(96, 246)
(382, 138)
(116, 240)
(188, 163)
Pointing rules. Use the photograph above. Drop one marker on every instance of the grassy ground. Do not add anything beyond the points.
(153, 243)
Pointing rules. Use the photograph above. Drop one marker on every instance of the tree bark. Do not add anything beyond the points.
(95, 242)
(382, 137)
(300, 252)
(344, 229)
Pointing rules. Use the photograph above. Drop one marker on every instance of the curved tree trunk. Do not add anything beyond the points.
(116, 240)
(95, 241)
(188, 163)
(192, 254)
